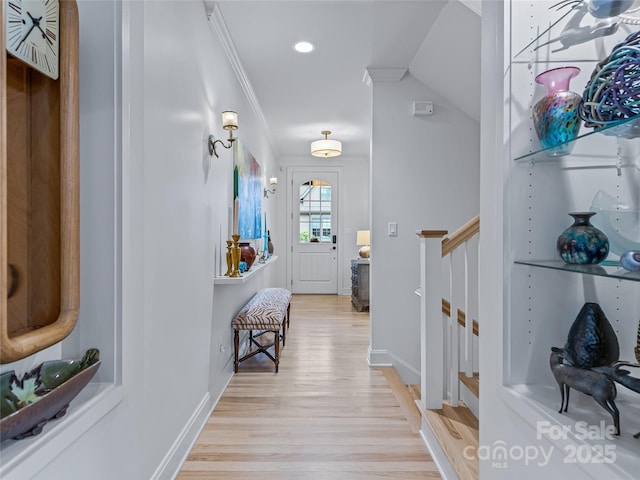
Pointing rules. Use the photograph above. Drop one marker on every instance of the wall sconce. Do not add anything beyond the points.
(364, 238)
(230, 123)
(273, 183)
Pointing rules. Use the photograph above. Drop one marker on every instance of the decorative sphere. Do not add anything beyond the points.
(631, 260)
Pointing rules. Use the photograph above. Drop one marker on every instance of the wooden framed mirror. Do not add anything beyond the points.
(39, 189)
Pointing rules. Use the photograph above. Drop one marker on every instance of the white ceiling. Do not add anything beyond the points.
(300, 95)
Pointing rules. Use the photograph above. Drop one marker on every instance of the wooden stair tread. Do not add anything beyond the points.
(472, 383)
(404, 397)
(455, 428)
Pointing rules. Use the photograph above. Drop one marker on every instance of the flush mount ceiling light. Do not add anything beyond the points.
(326, 148)
(304, 47)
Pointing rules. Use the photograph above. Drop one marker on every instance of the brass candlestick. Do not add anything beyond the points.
(235, 256)
(229, 259)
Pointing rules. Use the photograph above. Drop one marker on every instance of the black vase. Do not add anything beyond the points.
(582, 243)
(592, 341)
(269, 244)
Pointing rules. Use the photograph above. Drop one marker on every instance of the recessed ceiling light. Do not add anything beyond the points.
(304, 47)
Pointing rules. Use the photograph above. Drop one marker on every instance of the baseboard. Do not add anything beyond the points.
(409, 374)
(437, 454)
(470, 400)
(177, 454)
(379, 358)
(170, 465)
(384, 358)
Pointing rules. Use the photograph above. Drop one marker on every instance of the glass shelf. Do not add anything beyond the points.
(608, 268)
(627, 128)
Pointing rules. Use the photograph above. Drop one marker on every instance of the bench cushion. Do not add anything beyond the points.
(266, 310)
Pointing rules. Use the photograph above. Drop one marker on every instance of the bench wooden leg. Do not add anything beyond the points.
(236, 347)
(276, 346)
(284, 334)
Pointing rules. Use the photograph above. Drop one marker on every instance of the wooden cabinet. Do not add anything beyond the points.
(360, 284)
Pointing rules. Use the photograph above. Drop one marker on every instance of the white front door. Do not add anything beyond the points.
(314, 227)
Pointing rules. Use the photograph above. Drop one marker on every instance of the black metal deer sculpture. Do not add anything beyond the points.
(589, 362)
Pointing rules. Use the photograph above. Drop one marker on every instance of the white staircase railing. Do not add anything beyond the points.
(448, 311)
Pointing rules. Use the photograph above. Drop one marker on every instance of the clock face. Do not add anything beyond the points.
(31, 30)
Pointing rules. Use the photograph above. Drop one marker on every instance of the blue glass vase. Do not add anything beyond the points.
(555, 116)
(582, 243)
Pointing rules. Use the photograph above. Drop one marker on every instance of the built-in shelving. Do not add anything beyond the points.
(609, 268)
(583, 435)
(246, 276)
(627, 128)
(539, 295)
(86, 409)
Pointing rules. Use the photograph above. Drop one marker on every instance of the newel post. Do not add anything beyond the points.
(431, 327)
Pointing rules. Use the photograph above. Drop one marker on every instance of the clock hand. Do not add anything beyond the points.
(25, 37)
(36, 22)
(44, 35)
(33, 19)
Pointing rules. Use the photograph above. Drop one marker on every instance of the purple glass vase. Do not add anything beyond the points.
(555, 116)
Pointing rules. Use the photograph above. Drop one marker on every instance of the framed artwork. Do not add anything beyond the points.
(247, 188)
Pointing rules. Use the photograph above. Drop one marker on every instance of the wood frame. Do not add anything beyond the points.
(39, 198)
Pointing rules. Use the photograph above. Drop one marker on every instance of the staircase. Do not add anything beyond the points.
(448, 396)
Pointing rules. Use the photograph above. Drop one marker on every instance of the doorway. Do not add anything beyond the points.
(314, 232)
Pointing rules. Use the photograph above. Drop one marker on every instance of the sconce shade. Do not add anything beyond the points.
(273, 183)
(326, 148)
(363, 238)
(229, 120)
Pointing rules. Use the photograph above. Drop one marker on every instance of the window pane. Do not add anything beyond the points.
(315, 212)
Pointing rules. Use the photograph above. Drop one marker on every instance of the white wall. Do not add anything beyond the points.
(424, 175)
(164, 237)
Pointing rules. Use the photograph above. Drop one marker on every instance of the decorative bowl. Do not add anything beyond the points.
(620, 221)
(43, 394)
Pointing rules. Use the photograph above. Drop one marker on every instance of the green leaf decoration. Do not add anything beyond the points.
(26, 393)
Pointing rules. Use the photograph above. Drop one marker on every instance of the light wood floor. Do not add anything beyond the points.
(325, 415)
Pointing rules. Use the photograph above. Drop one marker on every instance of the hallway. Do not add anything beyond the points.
(325, 415)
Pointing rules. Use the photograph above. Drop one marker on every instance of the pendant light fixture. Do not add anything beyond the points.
(326, 148)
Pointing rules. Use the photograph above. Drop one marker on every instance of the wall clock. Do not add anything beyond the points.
(39, 177)
(32, 33)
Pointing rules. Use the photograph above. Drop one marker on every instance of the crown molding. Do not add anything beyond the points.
(372, 75)
(220, 26)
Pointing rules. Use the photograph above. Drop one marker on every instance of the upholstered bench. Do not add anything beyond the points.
(267, 311)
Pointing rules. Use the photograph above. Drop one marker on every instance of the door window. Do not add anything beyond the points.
(314, 221)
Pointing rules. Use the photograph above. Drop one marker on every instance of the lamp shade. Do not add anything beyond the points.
(326, 148)
(363, 237)
(229, 120)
